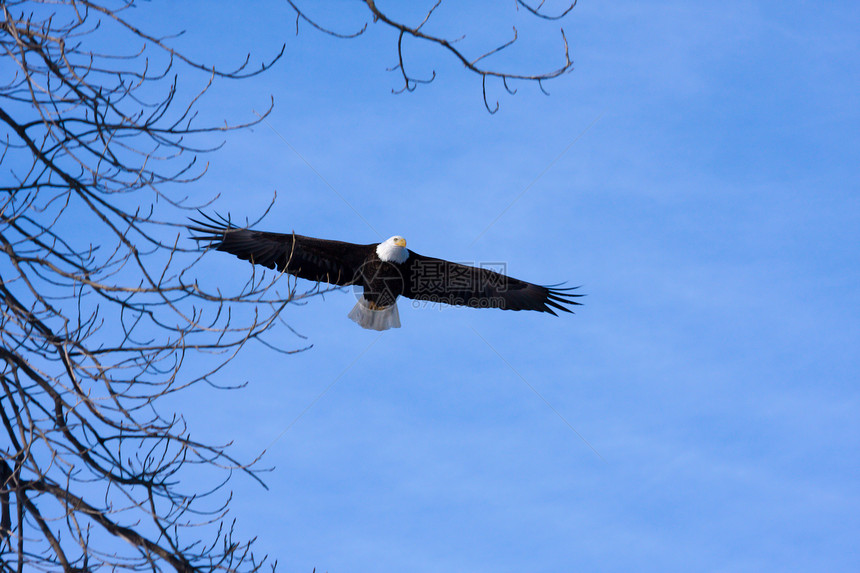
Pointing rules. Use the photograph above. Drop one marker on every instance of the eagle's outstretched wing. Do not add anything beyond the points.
(320, 260)
(442, 281)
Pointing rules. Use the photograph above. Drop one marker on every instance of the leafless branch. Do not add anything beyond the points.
(537, 10)
(102, 307)
(300, 16)
(474, 64)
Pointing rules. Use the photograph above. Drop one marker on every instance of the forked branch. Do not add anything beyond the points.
(473, 64)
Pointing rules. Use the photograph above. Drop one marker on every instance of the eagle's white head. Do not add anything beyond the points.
(393, 250)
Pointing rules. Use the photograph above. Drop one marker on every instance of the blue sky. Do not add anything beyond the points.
(696, 173)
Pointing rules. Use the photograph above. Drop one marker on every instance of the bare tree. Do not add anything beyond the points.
(99, 316)
(102, 316)
(475, 64)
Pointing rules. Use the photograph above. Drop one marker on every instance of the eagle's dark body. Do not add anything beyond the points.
(382, 281)
(404, 273)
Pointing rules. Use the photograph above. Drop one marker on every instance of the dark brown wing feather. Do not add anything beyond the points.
(318, 260)
(436, 280)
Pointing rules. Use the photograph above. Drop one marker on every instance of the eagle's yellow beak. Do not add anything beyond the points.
(400, 242)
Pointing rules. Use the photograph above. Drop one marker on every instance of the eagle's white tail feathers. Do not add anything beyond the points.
(375, 319)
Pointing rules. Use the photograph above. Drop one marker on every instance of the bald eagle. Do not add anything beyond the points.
(383, 271)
